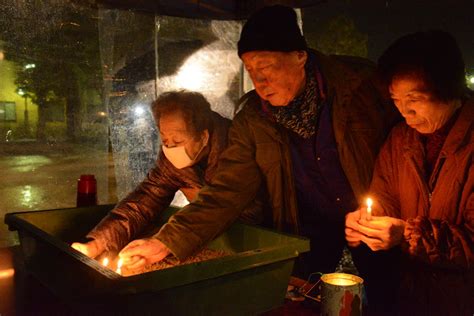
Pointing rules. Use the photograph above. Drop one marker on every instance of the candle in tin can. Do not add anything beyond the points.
(341, 294)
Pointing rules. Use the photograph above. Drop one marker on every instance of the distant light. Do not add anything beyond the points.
(471, 80)
(21, 92)
(27, 195)
(29, 66)
(139, 111)
(190, 76)
(101, 113)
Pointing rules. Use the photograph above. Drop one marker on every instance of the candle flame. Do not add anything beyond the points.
(119, 266)
(369, 209)
(105, 262)
(369, 203)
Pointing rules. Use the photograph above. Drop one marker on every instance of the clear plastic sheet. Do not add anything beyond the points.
(173, 54)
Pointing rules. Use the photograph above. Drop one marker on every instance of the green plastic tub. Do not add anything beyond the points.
(253, 280)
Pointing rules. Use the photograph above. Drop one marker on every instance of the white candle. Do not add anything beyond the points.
(119, 266)
(369, 209)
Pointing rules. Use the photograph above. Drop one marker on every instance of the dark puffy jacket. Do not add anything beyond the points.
(135, 214)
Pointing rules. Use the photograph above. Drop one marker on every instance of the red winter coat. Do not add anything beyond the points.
(437, 269)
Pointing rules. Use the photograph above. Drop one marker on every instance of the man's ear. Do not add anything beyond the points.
(301, 57)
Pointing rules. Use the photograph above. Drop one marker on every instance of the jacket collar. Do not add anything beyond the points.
(253, 109)
(339, 82)
(339, 79)
(457, 137)
(217, 142)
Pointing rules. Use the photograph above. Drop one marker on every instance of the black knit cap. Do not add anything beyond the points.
(272, 28)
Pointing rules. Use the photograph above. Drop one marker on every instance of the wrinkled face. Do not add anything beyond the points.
(421, 110)
(278, 77)
(174, 133)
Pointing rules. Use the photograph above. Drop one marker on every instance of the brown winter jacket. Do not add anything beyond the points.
(259, 153)
(437, 271)
(135, 214)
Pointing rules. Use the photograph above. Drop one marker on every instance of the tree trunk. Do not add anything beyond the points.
(73, 108)
(41, 127)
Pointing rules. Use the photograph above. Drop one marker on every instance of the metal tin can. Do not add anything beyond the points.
(341, 294)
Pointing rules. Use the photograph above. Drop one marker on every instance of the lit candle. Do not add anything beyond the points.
(119, 266)
(369, 209)
(105, 262)
(341, 293)
(341, 282)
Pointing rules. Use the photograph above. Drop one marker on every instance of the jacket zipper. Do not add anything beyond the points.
(427, 193)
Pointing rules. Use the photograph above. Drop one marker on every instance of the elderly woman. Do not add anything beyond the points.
(424, 177)
(193, 137)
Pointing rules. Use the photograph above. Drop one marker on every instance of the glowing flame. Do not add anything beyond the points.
(369, 204)
(119, 266)
(105, 262)
(369, 209)
(341, 282)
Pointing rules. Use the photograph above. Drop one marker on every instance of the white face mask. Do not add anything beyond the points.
(179, 157)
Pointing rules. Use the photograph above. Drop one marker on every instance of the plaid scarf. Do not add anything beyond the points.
(301, 114)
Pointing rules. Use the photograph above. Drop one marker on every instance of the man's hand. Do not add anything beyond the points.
(91, 249)
(381, 232)
(142, 252)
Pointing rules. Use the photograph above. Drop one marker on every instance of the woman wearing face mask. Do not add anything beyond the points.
(193, 137)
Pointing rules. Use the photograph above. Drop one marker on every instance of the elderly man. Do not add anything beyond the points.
(309, 132)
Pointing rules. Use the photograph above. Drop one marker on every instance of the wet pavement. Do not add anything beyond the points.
(36, 178)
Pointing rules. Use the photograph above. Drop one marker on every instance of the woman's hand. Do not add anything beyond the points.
(381, 232)
(353, 236)
(143, 252)
(91, 248)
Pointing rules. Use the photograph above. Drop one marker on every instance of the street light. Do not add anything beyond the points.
(139, 111)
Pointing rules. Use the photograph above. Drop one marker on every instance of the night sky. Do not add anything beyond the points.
(384, 21)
